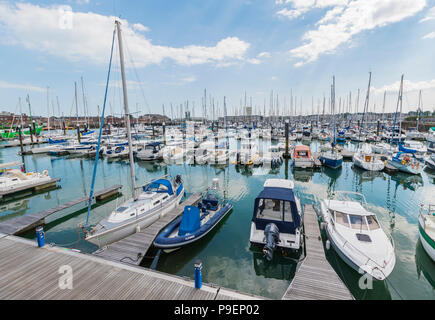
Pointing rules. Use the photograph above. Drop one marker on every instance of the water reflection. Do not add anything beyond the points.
(425, 265)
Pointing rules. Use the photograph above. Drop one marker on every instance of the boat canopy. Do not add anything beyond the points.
(191, 220)
(160, 185)
(289, 217)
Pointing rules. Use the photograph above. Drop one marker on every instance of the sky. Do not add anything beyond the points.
(176, 49)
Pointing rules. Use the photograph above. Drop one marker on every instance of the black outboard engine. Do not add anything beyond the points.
(178, 179)
(272, 236)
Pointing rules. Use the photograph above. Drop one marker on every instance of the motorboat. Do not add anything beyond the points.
(15, 179)
(273, 157)
(249, 151)
(357, 236)
(301, 157)
(151, 151)
(364, 159)
(195, 222)
(406, 162)
(276, 221)
(157, 198)
(426, 228)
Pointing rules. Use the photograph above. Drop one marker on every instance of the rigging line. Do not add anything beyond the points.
(137, 75)
(99, 135)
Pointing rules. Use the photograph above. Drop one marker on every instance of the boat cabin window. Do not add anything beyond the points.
(372, 222)
(121, 209)
(302, 153)
(341, 218)
(157, 202)
(357, 222)
(159, 188)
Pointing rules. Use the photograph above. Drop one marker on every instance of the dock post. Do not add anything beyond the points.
(64, 128)
(34, 130)
(377, 129)
(286, 154)
(198, 275)
(21, 147)
(40, 236)
(31, 133)
(78, 133)
(164, 133)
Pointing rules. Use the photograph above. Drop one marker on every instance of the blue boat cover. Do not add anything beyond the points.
(156, 184)
(191, 220)
(278, 194)
(153, 144)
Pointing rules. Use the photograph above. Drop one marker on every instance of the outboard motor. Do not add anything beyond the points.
(178, 179)
(272, 236)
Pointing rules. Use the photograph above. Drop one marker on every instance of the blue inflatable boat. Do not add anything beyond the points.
(194, 223)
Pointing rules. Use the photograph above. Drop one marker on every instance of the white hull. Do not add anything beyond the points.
(129, 228)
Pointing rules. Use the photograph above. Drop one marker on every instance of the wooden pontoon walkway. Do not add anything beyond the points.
(315, 279)
(28, 272)
(21, 224)
(133, 248)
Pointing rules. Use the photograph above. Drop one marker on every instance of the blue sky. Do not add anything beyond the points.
(179, 48)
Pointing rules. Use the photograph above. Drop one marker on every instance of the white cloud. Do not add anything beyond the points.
(429, 35)
(338, 26)
(430, 15)
(291, 14)
(88, 39)
(28, 87)
(408, 86)
(140, 27)
(189, 79)
(263, 55)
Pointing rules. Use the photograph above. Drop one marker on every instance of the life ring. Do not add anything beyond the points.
(45, 172)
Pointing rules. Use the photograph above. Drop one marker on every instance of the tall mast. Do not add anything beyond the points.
(48, 110)
(77, 105)
(127, 113)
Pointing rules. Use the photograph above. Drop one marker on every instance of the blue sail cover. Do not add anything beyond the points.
(156, 184)
(406, 150)
(191, 220)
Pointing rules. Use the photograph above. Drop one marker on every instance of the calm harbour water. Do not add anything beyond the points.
(227, 257)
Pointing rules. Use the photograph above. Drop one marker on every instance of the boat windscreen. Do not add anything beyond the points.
(121, 209)
(372, 222)
(357, 222)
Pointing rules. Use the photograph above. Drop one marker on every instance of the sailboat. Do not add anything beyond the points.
(364, 157)
(405, 160)
(332, 158)
(157, 197)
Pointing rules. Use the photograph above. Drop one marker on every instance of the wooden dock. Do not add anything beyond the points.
(133, 248)
(29, 221)
(315, 279)
(34, 187)
(31, 273)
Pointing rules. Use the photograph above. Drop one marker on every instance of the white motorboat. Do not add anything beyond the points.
(430, 162)
(276, 220)
(357, 236)
(384, 148)
(156, 199)
(301, 157)
(151, 151)
(15, 179)
(426, 227)
(364, 159)
(416, 147)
